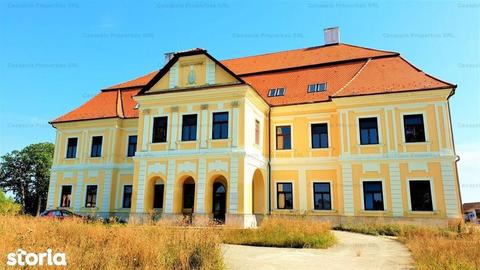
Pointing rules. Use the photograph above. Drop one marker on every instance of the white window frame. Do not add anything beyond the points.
(384, 194)
(91, 144)
(432, 191)
(66, 147)
(332, 204)
(425, 126)
(310, 123)
(120, 204)
(275, 134)
(276, 182)
(126, 147)
(198, 127)
(72, 202)
(230, 127)
(169, 129)
(379, 129)
(85, 196)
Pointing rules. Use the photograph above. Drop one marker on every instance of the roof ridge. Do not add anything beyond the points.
(353, 78)
(305, 48)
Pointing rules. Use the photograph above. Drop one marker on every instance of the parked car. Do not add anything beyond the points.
(60, 214)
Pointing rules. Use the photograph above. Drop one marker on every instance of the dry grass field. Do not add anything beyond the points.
(432, 248)
(100, 246)
(281, 232)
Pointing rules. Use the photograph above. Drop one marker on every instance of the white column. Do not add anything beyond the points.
(302, 182)
(51, 189)
(141, 185)
(347, 189)
(202, 174)
(203, 127)
(235, 127)
(107, 190)
(146, 128)
(233, 184)
(174, 131)
(78, 191)
(170, 186)
(451, 203)
(396, 190)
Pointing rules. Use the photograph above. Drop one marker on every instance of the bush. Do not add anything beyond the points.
(8, 206)
(97, 246)
(282, 232)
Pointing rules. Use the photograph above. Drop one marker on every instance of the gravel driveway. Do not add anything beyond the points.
(352, 251)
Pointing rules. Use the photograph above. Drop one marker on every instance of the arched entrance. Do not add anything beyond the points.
(258, 193)
(219, 202)
(188, 196)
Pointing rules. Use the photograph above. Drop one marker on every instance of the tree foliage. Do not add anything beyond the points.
(8, 206)
(26, 174)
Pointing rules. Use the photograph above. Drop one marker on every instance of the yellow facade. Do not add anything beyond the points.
(250, 170)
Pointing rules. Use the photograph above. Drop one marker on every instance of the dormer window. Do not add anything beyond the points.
(276, 92)
(318, 87)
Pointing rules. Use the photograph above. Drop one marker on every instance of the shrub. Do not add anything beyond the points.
(282, 232)
(8, 206)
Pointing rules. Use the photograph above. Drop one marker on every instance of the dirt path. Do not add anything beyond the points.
(352, 251)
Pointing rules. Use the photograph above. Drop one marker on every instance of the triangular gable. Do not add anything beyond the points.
(190, 69)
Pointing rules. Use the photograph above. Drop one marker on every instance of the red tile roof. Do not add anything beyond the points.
(348, 70)
(104, 105)
(301, 57)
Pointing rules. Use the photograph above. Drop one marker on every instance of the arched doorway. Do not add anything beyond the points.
(219, 202)
(188, 196)
(258, 193)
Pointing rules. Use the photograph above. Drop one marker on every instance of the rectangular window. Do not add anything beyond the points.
(72, 147)
(127, 196)
(373, 195)
(91, 197)
(159, 129)
(322, 196)
(276, 92)
(66, 196)
(284, 196)
(421, 195)
(257, 132)
(319, 87)
(189, 127)
(96, 146)
(319, 135)
(158, 196)
(368, 130)
(414, 128)
(283, 138)
(220, 126)
(132, 145)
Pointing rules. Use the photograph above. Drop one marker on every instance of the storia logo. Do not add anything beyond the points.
(21, 257)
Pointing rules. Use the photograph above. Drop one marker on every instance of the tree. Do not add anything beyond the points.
(26, 174)
(8, 206)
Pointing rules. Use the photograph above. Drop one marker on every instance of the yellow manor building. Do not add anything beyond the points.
(336, 132)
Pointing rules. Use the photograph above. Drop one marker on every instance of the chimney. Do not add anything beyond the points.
(332, 35)
(169, 56)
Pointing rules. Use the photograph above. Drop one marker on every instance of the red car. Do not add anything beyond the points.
(59, 213)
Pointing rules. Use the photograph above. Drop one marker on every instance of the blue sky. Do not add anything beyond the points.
(55, 55)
